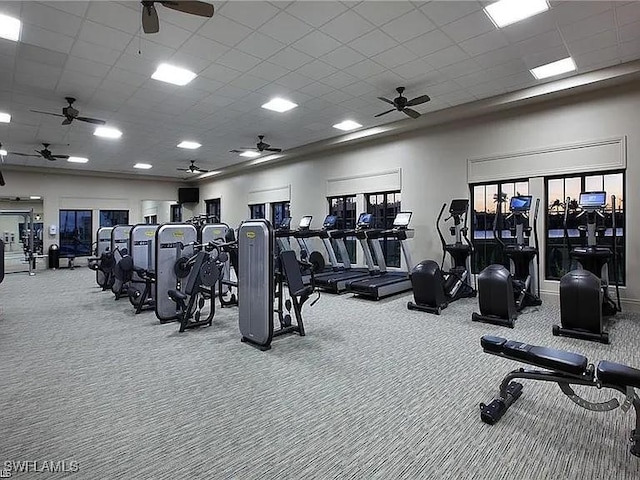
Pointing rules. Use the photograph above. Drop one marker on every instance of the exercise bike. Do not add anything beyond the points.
(433, 288)
(584, 292)
(502, 294)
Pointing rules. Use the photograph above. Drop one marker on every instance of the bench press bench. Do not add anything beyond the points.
(565, 369)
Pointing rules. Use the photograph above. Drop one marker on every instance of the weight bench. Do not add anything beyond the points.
(565, 369)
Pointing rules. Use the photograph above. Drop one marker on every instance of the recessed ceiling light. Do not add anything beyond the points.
(279, 105)
(77, 159)
(3, 152)
(175, 75)
(189, 145)
(107, 132)
(10, 28)
(347, 125)
(506, 12)
(5, 117)
(250, 154)
(555, 68)
(35, 197)
(143, 166)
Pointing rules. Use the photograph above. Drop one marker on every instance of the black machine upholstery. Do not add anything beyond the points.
(428, 285)
(497, 302)
(291, 269)
(565, 369)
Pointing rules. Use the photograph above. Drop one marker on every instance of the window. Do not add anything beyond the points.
(111, 218)
(484, 199)
(279, 211)
(384, 207)
(213, 210)
(345, 209)
(257, 211)
(75, 233)
(175, 213)
(558, 260)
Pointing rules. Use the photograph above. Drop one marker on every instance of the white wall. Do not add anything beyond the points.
(59, 191)
(433, 164)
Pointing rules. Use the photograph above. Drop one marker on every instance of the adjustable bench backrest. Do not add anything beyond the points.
(292, 273)
(193, 280)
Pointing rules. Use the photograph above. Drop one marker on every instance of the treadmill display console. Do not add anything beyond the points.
(305, 222)
(330, 222)
(520, 203)
(402, 220)
(365, 220)
(593, 199)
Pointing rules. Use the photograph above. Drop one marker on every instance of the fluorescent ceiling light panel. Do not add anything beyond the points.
(10, 28)
(506, 12)
(189, 145)
(77, 159)
(143, 166)
(250, 154)
(175, 75)
(279, 105)
(555, 68)
(5, 117)
(107, 132)
(3, 152)
(35, 197)
(347, 125)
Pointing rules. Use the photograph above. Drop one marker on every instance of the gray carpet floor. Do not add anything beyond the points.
(373, 391)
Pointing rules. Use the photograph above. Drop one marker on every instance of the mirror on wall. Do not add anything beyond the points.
(159, 211)
(15, 230)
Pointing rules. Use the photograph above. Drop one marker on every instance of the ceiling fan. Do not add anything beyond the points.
(260, 147)
(44, 153)
(70, 114)
(401, 104)
(192, 168)
(150, 22)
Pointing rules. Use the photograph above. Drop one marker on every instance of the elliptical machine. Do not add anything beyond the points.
(584, 293)
(434, 289)
(503, 294)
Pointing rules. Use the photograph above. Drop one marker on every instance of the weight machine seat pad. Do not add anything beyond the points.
(177, 295)
(617, 374)
(550, 358)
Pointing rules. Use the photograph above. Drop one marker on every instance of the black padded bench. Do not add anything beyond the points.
(565, 369)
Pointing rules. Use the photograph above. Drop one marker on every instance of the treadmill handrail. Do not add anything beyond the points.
(442, 240)
(537, 245)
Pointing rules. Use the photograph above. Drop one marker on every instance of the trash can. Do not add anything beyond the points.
(54, 256)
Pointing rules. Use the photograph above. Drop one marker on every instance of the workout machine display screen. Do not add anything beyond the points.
(402, 219)
(305, 222)
(521, 203)
(330, 222)
(285, 224)
(593, 199)
(459, 206)
(365, 220)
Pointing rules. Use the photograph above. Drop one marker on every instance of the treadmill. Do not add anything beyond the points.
(304, 232)
(336, 282)
(385, 283)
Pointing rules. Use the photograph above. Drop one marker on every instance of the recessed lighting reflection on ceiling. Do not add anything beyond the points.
(5, 117)
(10, 28)
(189, 145)
(347, 125)
(555, 68)
(250, 154)
(107, 132)
(3, 152)
(35, 197)
(279, 105)
(77, 159)
(143, 166)
(506, 12)
(174, 75)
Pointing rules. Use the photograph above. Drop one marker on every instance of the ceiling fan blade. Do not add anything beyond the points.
(384, 113)
(67, 121)
(150, 22)
(236, 151)
(95, 121)
(183, 169)
(64, 157)
(411, 113)
(418, 100)
(47, 113)
(201, 170)
(24, 154)
(273, 149)
(386, 100)
(202, 9)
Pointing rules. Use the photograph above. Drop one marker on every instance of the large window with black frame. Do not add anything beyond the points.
(279, 211)
(486, 198)
(75, 233)
(111, 218)
(257, 211)
(344, 208)
(212, 209)
(385, 206)
(563, 194)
